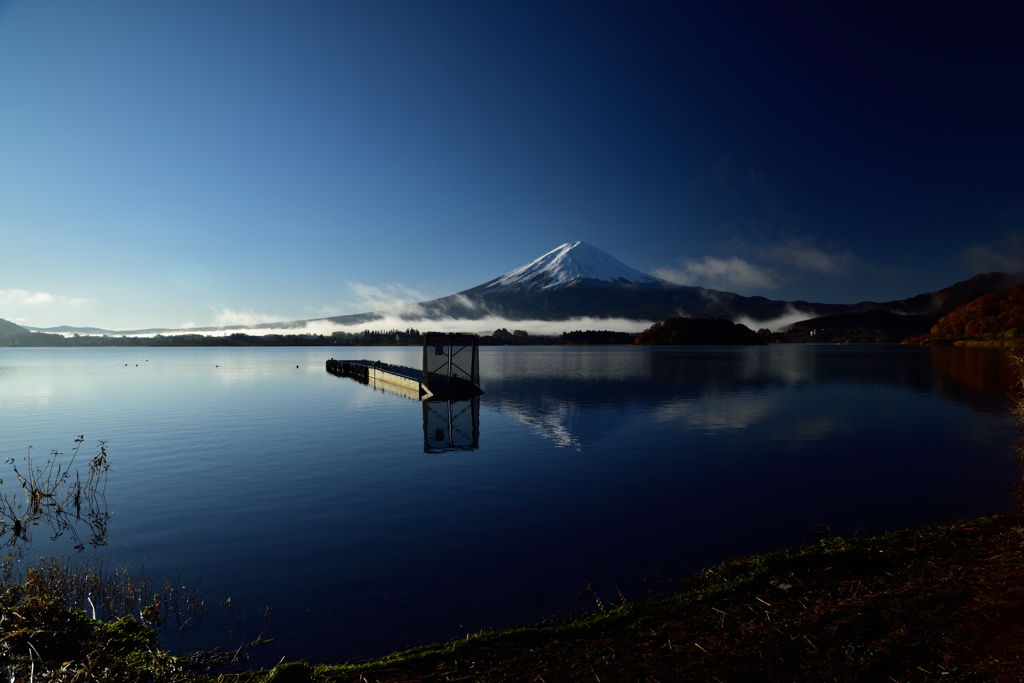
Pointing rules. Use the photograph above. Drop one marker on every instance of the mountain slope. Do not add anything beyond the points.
(579, 280)
(946, 299)
(7, 327)
(566, 265)
(895, 321)
(994, 316)
(71, 330)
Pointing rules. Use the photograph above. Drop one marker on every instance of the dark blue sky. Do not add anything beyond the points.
(231, 162)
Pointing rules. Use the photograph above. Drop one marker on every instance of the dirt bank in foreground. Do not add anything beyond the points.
(938, 603)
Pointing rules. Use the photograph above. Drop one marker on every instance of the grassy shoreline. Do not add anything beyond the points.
(939, 602)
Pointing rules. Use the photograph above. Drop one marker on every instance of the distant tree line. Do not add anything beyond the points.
(596, 337)
(692, 331)
(365, 338)
(998, 318)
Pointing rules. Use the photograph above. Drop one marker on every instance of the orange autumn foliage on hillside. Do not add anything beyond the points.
(999, 315)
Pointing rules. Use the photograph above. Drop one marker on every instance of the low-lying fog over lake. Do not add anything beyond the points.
(369, 522)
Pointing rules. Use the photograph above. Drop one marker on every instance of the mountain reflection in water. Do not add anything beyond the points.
(725, 389)
(985, 372)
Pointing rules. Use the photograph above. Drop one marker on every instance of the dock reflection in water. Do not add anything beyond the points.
(448, 424)
(451, 425)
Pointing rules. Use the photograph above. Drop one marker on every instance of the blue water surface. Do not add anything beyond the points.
(320, 498)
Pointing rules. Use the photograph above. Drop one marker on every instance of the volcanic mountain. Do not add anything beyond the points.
(579, 280)
(565, 266)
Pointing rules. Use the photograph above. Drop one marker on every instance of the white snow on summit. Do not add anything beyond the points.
(569, 262)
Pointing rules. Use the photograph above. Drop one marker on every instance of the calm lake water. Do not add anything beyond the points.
(370, 522)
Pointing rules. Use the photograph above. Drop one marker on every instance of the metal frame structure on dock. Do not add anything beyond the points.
(451, 363)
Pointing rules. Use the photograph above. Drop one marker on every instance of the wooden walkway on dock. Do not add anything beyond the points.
(412, 381)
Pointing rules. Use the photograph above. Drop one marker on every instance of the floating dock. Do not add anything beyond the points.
(450, 369)
(407, 380)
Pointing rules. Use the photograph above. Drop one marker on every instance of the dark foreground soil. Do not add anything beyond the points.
(939, 603)
(943, 603)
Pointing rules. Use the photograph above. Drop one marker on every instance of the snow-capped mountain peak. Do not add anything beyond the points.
(570, 262)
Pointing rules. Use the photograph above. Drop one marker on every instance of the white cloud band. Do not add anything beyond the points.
(21, 297)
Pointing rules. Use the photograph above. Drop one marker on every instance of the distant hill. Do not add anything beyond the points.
(895, 321)
(945, 300)
(67, 329)
(872, 325)
(995, 316)
(698, 331)
(7, 327)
